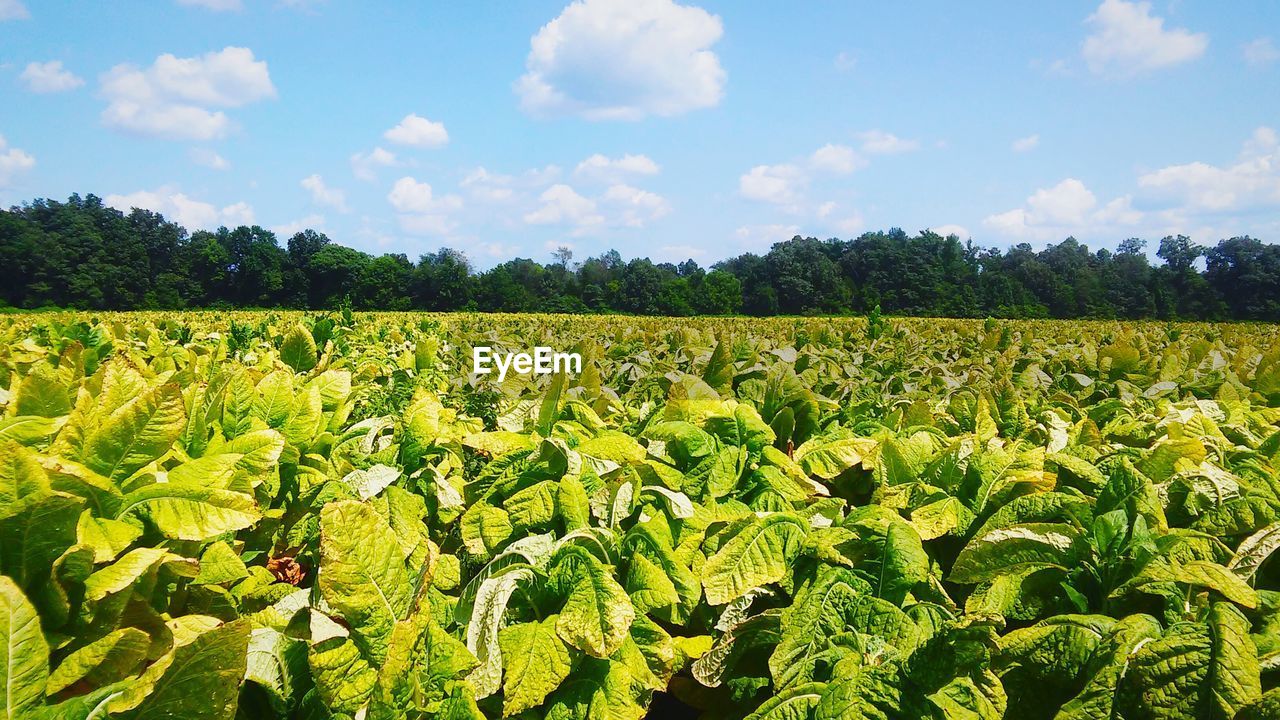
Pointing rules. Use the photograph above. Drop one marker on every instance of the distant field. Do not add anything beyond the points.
(328, 515)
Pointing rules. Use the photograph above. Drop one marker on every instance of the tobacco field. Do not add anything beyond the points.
(286, 515)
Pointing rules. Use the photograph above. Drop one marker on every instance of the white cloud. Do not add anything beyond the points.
(289, 229)
(1026, 144)
(186, 211)
(501, 251)
(1254, 181)
(637, 207)
(838, 159)
(487, 186)
(175, 97)
(851, 225)
(49, 77)
(13, 10)
(322, 194)
(759, 238)
(599, 167)
(946, 230)
(777, 184)
(562, 205)
(429, 224)
(410, 196)
(1064, 209)
(826, 208)
(879, 142)
(679, 253)
(215, 5)
(208, 158)
(623, 60)
(1127, 40)
(365, 165)
(417, 131)
(420, 211)
(501, 188)
(1260, 52)
(12, 162)
(845, 61)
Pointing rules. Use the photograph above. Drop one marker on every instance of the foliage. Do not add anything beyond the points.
(83, 254)
(248, 515)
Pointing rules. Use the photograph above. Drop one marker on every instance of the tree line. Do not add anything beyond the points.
(84, 254)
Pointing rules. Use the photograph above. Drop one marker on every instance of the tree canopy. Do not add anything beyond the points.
(84, 254)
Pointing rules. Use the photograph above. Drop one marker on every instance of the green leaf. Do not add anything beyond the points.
(103, 661)
(42, 394)
(220, 565)
(486, 621)
(821, 610)
(106, 537)
(362, 574)
(1108, 667)
(191, 512)
(342, 676)
(792, 704)
(197, 681)
(1254, 550)
(648, 586)
(759, 554)
(865, 693)
(1194, 572)
(535, 662)
(828, 458)
(20, 473)
(24, 655)
(40, 528)
(278, 664)
(126, 571)
(484, 529)
(1016, 549)
(298, 349)
(136, 433)
(597, 614)
(1196, 670)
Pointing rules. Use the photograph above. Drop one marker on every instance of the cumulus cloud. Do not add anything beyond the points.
(13, 10)
(879, 142)
(12, 162)
(1128, 40)
(289, 229)
(1064, 209)
(494, 187)
(838, 159)
(417, 131)
(214, 5)
(49, 77)
(420, 211)
(205, 157)
(562, 205)
(1260, 52)
(946, 230)
(365, 165)
(1026, 144)
(637, 207)
(599, 167)
(1251, 182)
(322, 194)
(623, 60)
(777, 184)
(408, 195)
(177, 98)
(186, 211)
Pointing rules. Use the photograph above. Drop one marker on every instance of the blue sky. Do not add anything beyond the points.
(654, 127)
